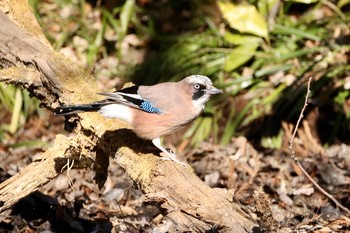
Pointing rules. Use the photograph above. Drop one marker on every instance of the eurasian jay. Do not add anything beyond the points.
(153, 111)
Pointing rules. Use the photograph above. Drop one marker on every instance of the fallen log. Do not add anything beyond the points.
(28, 60)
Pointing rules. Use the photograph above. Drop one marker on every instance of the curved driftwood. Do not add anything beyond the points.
(28, 60)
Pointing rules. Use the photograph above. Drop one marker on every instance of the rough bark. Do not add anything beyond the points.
(27, 59)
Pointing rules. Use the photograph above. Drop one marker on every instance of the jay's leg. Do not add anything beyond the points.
(169, 155)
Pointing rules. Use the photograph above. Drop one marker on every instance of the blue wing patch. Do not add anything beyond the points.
(148, 107)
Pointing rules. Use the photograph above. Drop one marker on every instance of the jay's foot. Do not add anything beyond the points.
(172, 157)
(167, 153)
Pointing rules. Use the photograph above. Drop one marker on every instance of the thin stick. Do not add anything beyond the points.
(296, 161)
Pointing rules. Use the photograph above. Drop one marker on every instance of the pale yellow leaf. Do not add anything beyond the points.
(244, 18)
(304, 1)
(342, 3)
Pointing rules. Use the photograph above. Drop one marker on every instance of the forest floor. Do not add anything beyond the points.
(72, 202)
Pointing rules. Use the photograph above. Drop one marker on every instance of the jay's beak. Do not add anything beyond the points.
(214, 91)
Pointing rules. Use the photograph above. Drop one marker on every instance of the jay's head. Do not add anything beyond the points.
(200, 88)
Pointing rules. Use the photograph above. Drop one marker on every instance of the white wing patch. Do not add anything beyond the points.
(118, 111)
(135, 96)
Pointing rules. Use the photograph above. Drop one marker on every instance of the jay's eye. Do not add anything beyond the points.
(197, 86)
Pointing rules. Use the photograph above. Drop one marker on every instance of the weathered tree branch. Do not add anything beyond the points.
(27, 59)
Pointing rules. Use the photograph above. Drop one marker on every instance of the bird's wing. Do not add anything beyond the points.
(130, 97)
(165, 96)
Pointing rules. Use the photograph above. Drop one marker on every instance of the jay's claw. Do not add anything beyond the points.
(170, 151)
(174, 159)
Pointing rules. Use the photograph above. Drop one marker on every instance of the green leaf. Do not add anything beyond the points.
(341, 97)
(125, 16)
(244, 18)
(240, 55)
(265, 6)
(281, 29)
(274, 142)
(238, 39)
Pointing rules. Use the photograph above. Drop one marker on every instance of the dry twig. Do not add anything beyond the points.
(297, 162)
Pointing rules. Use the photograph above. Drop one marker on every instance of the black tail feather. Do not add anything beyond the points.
(71, 109)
